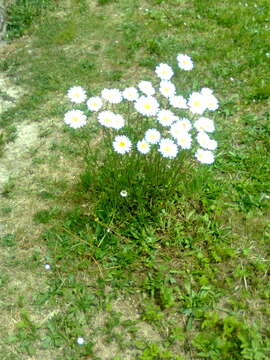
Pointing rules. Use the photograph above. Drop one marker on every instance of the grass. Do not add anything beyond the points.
(183, 277)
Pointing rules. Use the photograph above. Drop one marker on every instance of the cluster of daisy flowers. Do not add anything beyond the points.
(170, 133)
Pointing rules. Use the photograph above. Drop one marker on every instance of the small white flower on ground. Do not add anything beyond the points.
(113, 96)
(184, 62)
(130, 94)
(197, 103)
(122, 144)
(143, 146)
(77, 94)
(205, 142)
(178, 102)
(123, 193)
(166, 117)
(147, 105)
(146, 87)
(75, 119)
(167, 89)
(94, 103)
(152, 136)
(164, 71)
(80, 341)
(204, 124)
(168, 148)
(118, 122)
(106, 118)
(204, 156)
(184, 140)
(47, 267)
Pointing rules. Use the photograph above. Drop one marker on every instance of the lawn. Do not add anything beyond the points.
(179, 268)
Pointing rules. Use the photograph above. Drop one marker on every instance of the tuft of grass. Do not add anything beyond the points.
(23, 13)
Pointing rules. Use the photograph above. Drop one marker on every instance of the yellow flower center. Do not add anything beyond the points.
(75, 118)
(122, 143)
(147, 106)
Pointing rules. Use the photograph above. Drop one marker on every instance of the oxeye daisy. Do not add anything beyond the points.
(94, 103)
(205, 156)
(147, 88)
(122, 144)
(205, 142)
(185, 124)
(206, 91)
(184, 140)
(184, 62)
(143, 146)
(147, 105)
(177, 130)
(166, 117)
(75, 119)
(168, 148)
(130, 94)
(118, 122)
(106, 118)
(197, 103)
(77, 94)
(211, 102)
(178, 102)
(167, 89)
(164, 71)
(204, 124)
(152, 136)
(113, 96)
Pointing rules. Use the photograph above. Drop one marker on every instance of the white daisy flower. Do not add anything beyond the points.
(166, 117)
(118, 122)
(164, 71)
(77, 94)
(211, 102)
(80, 341)
(205, 156)
(152, 136)
(204, 124)
(147, 105)
(185, 124)
(197, 103)
(130, 94)
(123, 193)
(184, 62)
(113, 96)
(168, 148)
(94, 103)
(184, 140)
(167, 89)
(178, 102)
(146, 87)
(206, 91)
(205, 141)
(177, 129)
(47, 267)
(106, 118)
(143, 146)
(122, 144)
(75, 119)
